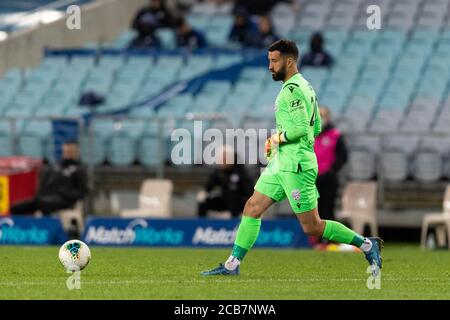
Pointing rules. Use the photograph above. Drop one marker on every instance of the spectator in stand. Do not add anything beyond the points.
(331, 152)
(187, 37)
(227, 188)
(146, 37)
(266, 35)
(317, 56)
(155, 11)
(60, 187)
(261, 7)
(243, 29)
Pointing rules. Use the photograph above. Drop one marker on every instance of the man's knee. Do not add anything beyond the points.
(253, 208)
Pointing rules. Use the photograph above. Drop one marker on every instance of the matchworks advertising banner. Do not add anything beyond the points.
(189, 233)
(31, 231)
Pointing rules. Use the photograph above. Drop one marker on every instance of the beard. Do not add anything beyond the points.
(280, 75)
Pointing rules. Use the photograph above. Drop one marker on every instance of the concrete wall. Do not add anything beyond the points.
(102, 20)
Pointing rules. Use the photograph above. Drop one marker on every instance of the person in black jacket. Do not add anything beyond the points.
(60, 187)
(188, 37)
(155, 11)
(266, 34)
(317, 56)
(260, 7)
(227, 188)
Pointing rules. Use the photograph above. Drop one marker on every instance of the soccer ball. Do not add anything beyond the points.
(74, 255)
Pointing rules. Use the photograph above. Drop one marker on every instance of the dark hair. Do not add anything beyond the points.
(71, 141)
(316, 42)
(286, 48)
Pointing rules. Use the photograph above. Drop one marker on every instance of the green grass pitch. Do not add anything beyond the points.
(161, 273)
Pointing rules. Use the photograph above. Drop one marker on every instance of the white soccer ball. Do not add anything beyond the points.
(74, 255)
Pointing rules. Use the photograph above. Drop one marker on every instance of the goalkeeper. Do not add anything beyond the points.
(292, 168)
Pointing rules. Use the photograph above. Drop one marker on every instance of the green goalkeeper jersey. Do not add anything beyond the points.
(297, 114)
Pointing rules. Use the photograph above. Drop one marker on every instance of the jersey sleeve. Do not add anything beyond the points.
(296, 105)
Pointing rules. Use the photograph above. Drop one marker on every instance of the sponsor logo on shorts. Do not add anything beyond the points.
(295, 194)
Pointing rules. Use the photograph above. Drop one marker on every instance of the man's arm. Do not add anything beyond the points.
(299, 115)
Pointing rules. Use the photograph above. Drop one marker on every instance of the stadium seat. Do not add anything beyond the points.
(394, 165)
(110, 62)
(386, 121)
(155, 200)
(353, 121)
(123, 40)
(6, 145)
(226, 60)
(440, 220)
(93, 151)
(149, 151)
(359, 203)
(427, 165)
(396, 156)
(31, 146)
(121, 150)
(361, 164)
(131, 127)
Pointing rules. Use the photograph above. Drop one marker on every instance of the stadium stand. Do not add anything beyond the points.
(389, 89)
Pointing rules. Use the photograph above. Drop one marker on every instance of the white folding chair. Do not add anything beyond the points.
(441, 221)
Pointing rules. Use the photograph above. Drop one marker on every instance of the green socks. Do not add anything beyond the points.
(337, 232)
(246, 236)
(249, 229)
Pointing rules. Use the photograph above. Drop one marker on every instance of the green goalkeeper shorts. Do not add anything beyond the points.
(299, 187)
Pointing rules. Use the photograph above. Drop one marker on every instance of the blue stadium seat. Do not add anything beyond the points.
(221, 87)
(18, 110)
(82, 61)
(14, 75)
(149, 153)
(93, 151)
(130, 127)
(226, 60)
(123, 40)
(110, 62)
(167, 38)
(54, 62)
(31, 146)
(142, 113)
(206, 103)
(121, 150)
(139, 62)
(198, 21)
(6, 145)
(102, 127)
(253, 74)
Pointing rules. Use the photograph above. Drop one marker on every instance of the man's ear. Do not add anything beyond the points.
(291, 62)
